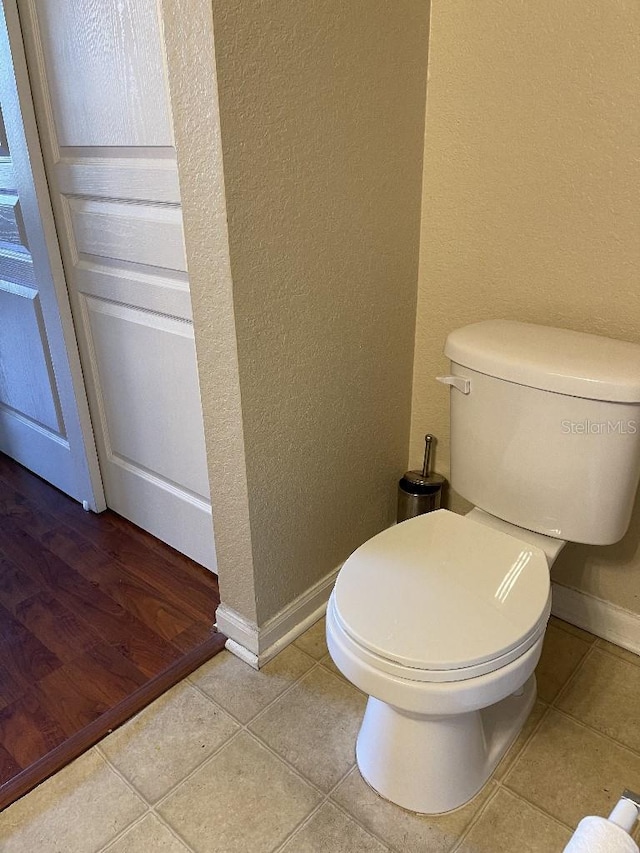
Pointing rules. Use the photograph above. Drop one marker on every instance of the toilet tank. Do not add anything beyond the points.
(545, 427)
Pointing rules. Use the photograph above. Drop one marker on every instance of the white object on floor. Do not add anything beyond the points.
(627, 811)
(602, 835)
(599, 835)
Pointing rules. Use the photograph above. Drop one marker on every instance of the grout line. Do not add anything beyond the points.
(560, 623)
(132, 788)
(245, 727)
(219, 749)
(242, 727)
(541, 810)
(127, 782)
(587, 655)
(305, 675)
(298, 828)
(328, 799)
(538, 808)
(150, 812)
(173, 831)
(286, 690)
(324, 796)
(124, 831)
(598, 732)
(355, 819)
(472, 822)
(504, 783)
(196, 769)
(525, 746)
(503, 786)
(121, 775)
(607, 651)
(288, 764)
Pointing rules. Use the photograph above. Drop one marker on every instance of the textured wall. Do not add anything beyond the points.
(188, 33)
(322, 117)
(530, 199)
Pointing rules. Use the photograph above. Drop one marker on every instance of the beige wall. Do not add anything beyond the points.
(322, 118)
(530, 200)
(191, 67)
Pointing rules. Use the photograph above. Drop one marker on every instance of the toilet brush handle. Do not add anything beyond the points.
(427, 455)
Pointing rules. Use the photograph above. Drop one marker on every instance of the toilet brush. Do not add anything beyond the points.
(420, 491)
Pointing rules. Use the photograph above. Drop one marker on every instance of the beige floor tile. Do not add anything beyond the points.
(244, 800)
(570, 771)
(78, 810)
(169, 739)
(561, 654)
(314, 641)
(605, 694)
(148, 836)
(509, 824)
(243, 691)
(572, 629)
(618, 651)
(327, 663)
(331, 831)
(404, 831)
(314, 726)
(539, 709)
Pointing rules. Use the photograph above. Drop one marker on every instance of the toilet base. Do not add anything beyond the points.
(433, 764)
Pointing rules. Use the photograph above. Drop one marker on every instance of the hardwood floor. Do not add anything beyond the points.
(97, 619)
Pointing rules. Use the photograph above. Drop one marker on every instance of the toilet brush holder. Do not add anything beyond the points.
(420, 491)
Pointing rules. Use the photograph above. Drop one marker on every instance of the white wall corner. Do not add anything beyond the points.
(257, 645)
(597, 616)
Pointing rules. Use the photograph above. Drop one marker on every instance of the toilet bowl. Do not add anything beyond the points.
(441, 620)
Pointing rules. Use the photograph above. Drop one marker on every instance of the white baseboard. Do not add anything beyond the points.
(257, 645)
(239, 630)
(597, 616)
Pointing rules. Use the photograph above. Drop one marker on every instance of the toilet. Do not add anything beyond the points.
(440, 620)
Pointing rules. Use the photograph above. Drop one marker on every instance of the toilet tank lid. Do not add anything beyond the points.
(559, 360)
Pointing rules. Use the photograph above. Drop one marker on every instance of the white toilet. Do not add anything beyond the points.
(441, 619)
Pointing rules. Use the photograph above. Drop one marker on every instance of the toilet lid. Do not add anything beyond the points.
(441, 591)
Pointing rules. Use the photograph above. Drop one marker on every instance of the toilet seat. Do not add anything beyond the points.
(443, 598)
(432, 676)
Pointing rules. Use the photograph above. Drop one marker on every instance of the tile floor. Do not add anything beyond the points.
(233, 760)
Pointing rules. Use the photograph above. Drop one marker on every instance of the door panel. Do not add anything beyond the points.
(105, 72)
(138, 233)
(11, 224)
(99, 79)
(160, 384)
(27, 385)
(44, 418)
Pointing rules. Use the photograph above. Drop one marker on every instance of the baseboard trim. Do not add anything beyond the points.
(240, 631)
(257, 645)
(597, 616)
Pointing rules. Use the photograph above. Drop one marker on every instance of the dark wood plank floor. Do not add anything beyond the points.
(97, 619)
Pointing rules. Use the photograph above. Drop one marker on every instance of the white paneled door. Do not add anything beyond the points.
(44, 418)
(98, 77)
